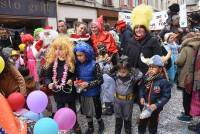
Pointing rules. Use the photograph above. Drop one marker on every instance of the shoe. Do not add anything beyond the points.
(107, 112)
(89, 131)
(184, 118)
(77, 130)
(192, 127)
(101, 128)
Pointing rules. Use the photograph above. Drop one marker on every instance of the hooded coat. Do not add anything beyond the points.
(185, 58)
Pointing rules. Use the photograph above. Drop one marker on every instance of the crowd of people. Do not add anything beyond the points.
(106, 70)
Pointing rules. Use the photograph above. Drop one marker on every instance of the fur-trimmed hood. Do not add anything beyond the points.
(192, 42)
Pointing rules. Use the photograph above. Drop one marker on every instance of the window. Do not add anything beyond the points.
(70, 22)
(87, 21)
(107, 3)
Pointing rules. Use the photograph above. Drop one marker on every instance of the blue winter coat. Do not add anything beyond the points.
(160, 93)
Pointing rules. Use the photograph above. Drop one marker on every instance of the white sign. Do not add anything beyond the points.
(125, 16)
(159, 19)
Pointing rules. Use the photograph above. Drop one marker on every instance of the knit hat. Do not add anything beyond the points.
(174, 8)
(155, 60)
(142, 15)
(121, 24)
(167, 36)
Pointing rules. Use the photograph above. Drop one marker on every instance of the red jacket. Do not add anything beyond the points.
(105, 38)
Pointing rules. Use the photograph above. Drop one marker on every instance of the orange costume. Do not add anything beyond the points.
(8, 121)
(103, 37)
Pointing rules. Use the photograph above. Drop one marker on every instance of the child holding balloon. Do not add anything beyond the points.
(59, 74)
(88, 84)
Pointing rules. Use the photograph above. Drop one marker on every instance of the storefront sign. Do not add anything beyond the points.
(36, 8)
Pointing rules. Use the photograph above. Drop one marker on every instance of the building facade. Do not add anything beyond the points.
(27, 14)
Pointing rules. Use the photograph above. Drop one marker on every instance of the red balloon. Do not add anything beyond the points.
(16, 101)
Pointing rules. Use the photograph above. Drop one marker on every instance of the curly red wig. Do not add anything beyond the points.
(27, 38)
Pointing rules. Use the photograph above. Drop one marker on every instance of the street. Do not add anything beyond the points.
(168, 122)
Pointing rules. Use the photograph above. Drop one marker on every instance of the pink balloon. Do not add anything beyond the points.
(66, 118)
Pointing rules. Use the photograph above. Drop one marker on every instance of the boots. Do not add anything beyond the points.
(90, 129)
(127, 127)
(118, 125)
(101, 127)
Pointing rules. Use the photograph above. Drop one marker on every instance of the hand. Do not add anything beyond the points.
(142, 101)
(50, 86)
(83, 85)
(153, 107)
(69, 82)
(108, 59)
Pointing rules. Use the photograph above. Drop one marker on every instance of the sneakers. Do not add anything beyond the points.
(89, 131)
(184, 118)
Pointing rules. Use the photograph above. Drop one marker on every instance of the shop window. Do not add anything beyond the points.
(70, 22)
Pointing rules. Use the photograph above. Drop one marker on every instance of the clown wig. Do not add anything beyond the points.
(62, 43)
(27, 38)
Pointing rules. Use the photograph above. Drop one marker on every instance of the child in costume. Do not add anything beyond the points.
(126, 80)
(89, 81)
(17, 59)
(30, 55)
(154, 93)
(170, 44)
(59, 74)
(108, 86)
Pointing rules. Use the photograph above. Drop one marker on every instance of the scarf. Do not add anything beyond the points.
(148, 80)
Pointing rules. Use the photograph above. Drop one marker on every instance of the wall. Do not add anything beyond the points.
(66, 11)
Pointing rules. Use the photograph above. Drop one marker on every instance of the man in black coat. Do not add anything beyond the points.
(125, 33)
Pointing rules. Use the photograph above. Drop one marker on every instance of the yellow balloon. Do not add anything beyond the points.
(2, 64)
(22, 47)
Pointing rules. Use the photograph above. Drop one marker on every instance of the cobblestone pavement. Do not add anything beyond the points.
(168, 123)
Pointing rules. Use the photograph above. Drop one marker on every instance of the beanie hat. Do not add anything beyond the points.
(142, 15)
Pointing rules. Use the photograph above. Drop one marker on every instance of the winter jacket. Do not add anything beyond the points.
(88, 71)
(185, 58)
(124, 36)
(149, 46)
(11, 81)
(160, 92)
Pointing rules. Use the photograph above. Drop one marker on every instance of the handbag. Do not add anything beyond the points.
(195, 104)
